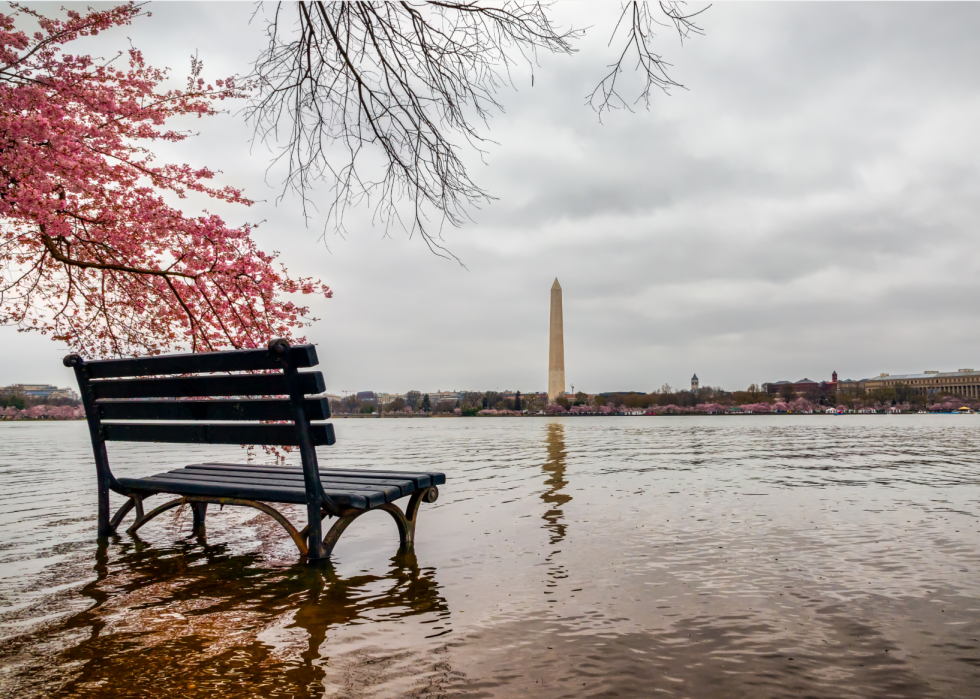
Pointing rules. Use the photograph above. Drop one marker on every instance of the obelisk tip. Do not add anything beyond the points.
(556, 285)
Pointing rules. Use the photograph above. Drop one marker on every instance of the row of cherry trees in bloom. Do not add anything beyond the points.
(800, 405)
(43, 412)
(797, 406)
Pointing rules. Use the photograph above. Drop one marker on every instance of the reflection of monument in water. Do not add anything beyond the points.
(556, 347)
(555, 498)
(554, 468)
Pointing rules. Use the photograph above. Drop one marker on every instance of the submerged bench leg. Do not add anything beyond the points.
(333, 536)
(201, 501)
(131, 502)
(405, 520)
(142, 519)
(106, 526)
(312, 532)
(200, 514)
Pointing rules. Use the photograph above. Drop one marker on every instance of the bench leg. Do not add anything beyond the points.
(313, 533)
(142, 519)
(333, 536)
(202, 501)
(405, 520)
(133, 501)
(200, 510)
(105, 524)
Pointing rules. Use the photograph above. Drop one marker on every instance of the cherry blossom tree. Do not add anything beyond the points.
(801, 405)
(91, 253)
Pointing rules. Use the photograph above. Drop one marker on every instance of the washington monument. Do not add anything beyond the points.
(556, 348)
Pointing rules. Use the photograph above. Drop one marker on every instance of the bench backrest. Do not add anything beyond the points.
(120, 392)
(192, 398)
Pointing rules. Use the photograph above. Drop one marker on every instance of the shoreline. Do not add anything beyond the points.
(537, 415)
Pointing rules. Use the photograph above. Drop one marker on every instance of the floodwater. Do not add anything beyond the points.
(757, 556)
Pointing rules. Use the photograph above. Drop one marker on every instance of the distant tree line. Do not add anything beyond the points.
(27, 402)
(473, 402)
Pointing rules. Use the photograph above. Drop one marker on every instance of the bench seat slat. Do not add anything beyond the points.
(422, 479)
(215, 433)
(435, 478)
(373, 496)
(206, 386)
(402, 487)
(210, 410)
(301, 356)
(264, 493)
(387, 492)
(290, 495)
(418, 480)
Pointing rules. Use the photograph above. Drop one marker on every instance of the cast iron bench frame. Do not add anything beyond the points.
(119, 392)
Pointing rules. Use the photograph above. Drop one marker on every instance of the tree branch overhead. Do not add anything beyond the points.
(377, 100)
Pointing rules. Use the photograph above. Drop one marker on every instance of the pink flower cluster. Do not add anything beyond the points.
(44, 412)
(949, 404)
(596, 410)
(90, 251)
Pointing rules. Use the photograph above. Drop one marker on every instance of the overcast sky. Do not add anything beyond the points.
(810, 203)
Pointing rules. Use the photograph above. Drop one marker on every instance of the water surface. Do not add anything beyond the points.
(756, 556)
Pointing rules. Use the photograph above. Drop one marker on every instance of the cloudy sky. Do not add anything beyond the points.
(810, 203)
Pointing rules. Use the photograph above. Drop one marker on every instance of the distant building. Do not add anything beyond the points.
(965, 382)
(38, 390)
(695, 383)
(367, 397)
(802, 386)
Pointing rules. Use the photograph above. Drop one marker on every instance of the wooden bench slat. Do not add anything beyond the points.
(373, 496)
(389, 491)
(215, 433)
(236, 490)
(422, 479)
(404, 486)
(166, 482)
(302, 357)
(206, 386)
(209, 410)
(435, 477)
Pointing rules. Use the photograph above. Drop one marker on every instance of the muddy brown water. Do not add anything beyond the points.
(812, 556)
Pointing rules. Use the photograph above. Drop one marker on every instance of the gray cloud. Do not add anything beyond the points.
(809, 204)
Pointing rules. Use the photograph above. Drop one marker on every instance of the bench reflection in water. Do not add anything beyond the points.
(169, 619)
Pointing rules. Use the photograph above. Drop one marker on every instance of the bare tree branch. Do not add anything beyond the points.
(639, 24)
(377, 99)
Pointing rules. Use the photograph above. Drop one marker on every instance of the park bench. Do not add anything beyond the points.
(254, 397)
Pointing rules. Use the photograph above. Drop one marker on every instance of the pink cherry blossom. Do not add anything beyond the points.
(91, 253)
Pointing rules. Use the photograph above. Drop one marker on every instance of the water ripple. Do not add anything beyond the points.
(701, 557)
